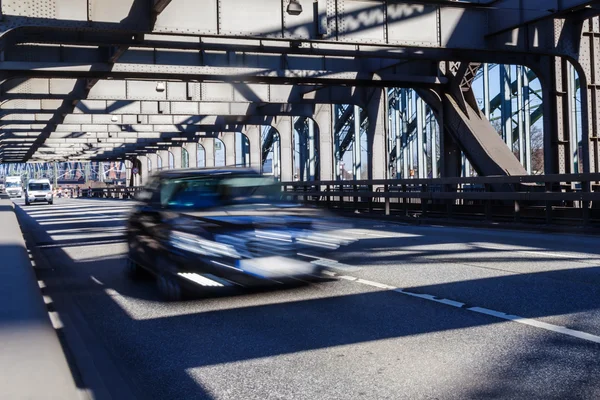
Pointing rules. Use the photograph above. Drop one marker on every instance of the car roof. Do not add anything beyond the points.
(192, 172)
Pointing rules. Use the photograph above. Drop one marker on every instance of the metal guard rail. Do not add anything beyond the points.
(551, 196)
(112, 192)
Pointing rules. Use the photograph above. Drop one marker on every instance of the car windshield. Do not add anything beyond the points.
(39, 186)
(199, 192)
(12, 184)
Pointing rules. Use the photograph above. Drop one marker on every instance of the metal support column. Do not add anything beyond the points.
(404, 138)
(573, 128)
(209, 151)
(486, 90)
(277, 158)
(520, 116)
(557, 114)
(325, 124)
(434, 150)
(356, 167)
(177, 157)
(506, 109)
(377, 134)
(311, 150)
(421, 167)
(192, 149)
(284, 126)
(252, 132)
(143, 172)
(398, 123)
(164, 157)
(527, 119)
(228, 139)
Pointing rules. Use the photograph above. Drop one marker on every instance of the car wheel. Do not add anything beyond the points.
(51, 202)
(169, 288)
(27, 203)
(133, 270)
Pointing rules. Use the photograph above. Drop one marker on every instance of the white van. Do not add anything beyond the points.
(38, 190)
(13, 186)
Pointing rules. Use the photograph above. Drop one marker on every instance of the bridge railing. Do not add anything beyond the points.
(117, 192)
(551, 199)
(572, 199)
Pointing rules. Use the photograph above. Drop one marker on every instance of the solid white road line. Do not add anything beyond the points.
(457, 304)
(535, 252)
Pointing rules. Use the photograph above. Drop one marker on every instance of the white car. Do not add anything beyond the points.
(38, 190)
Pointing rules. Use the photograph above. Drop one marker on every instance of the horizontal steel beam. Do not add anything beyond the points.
(506, 15)
(238, 75)
(424, 23)
(44, 93)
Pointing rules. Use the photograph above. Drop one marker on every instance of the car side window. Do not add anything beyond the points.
(195, 193)
(167, 188)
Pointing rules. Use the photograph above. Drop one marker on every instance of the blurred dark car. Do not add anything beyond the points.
(207, 229)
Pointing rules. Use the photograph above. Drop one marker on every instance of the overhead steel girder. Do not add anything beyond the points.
(154, 90)
(510, 14)
(139, 113)
(441, 23)
(205, 124)
(233, 74)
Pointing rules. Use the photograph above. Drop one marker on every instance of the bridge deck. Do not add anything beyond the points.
(415, 312)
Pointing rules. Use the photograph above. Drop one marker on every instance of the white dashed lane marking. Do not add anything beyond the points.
(498, 314)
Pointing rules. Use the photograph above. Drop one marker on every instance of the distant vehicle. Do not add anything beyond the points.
(39, 190)
(210, 229)
(14, 186)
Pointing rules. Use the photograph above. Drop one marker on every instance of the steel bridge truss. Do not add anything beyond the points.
(147, 80)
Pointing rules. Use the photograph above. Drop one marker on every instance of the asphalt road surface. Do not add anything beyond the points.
(413, 313)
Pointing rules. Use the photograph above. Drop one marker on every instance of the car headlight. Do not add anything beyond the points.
(198, 245)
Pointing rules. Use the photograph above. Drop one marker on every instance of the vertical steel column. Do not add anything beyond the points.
(434, 142)
(153, 167)
(324, 133)
(573, 129)
(143, 173)
(404, 138)
(164, 157)
(87, 171)
(377, 111)
(100, 172)
(55, 173)
(556, 117)
(520, 112)
(398, 139)
(356, 161)
(253, 133)
(209, 151)
(311, 150)
(589, 82)
(486, 90)
(192, 149)
(409, 136)
(527, 119)
(506, 105)
(276, 156)
(336, 140)
(284, 126)
(302, 145)
(228, 139)
(177, 157)
(421, 167)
